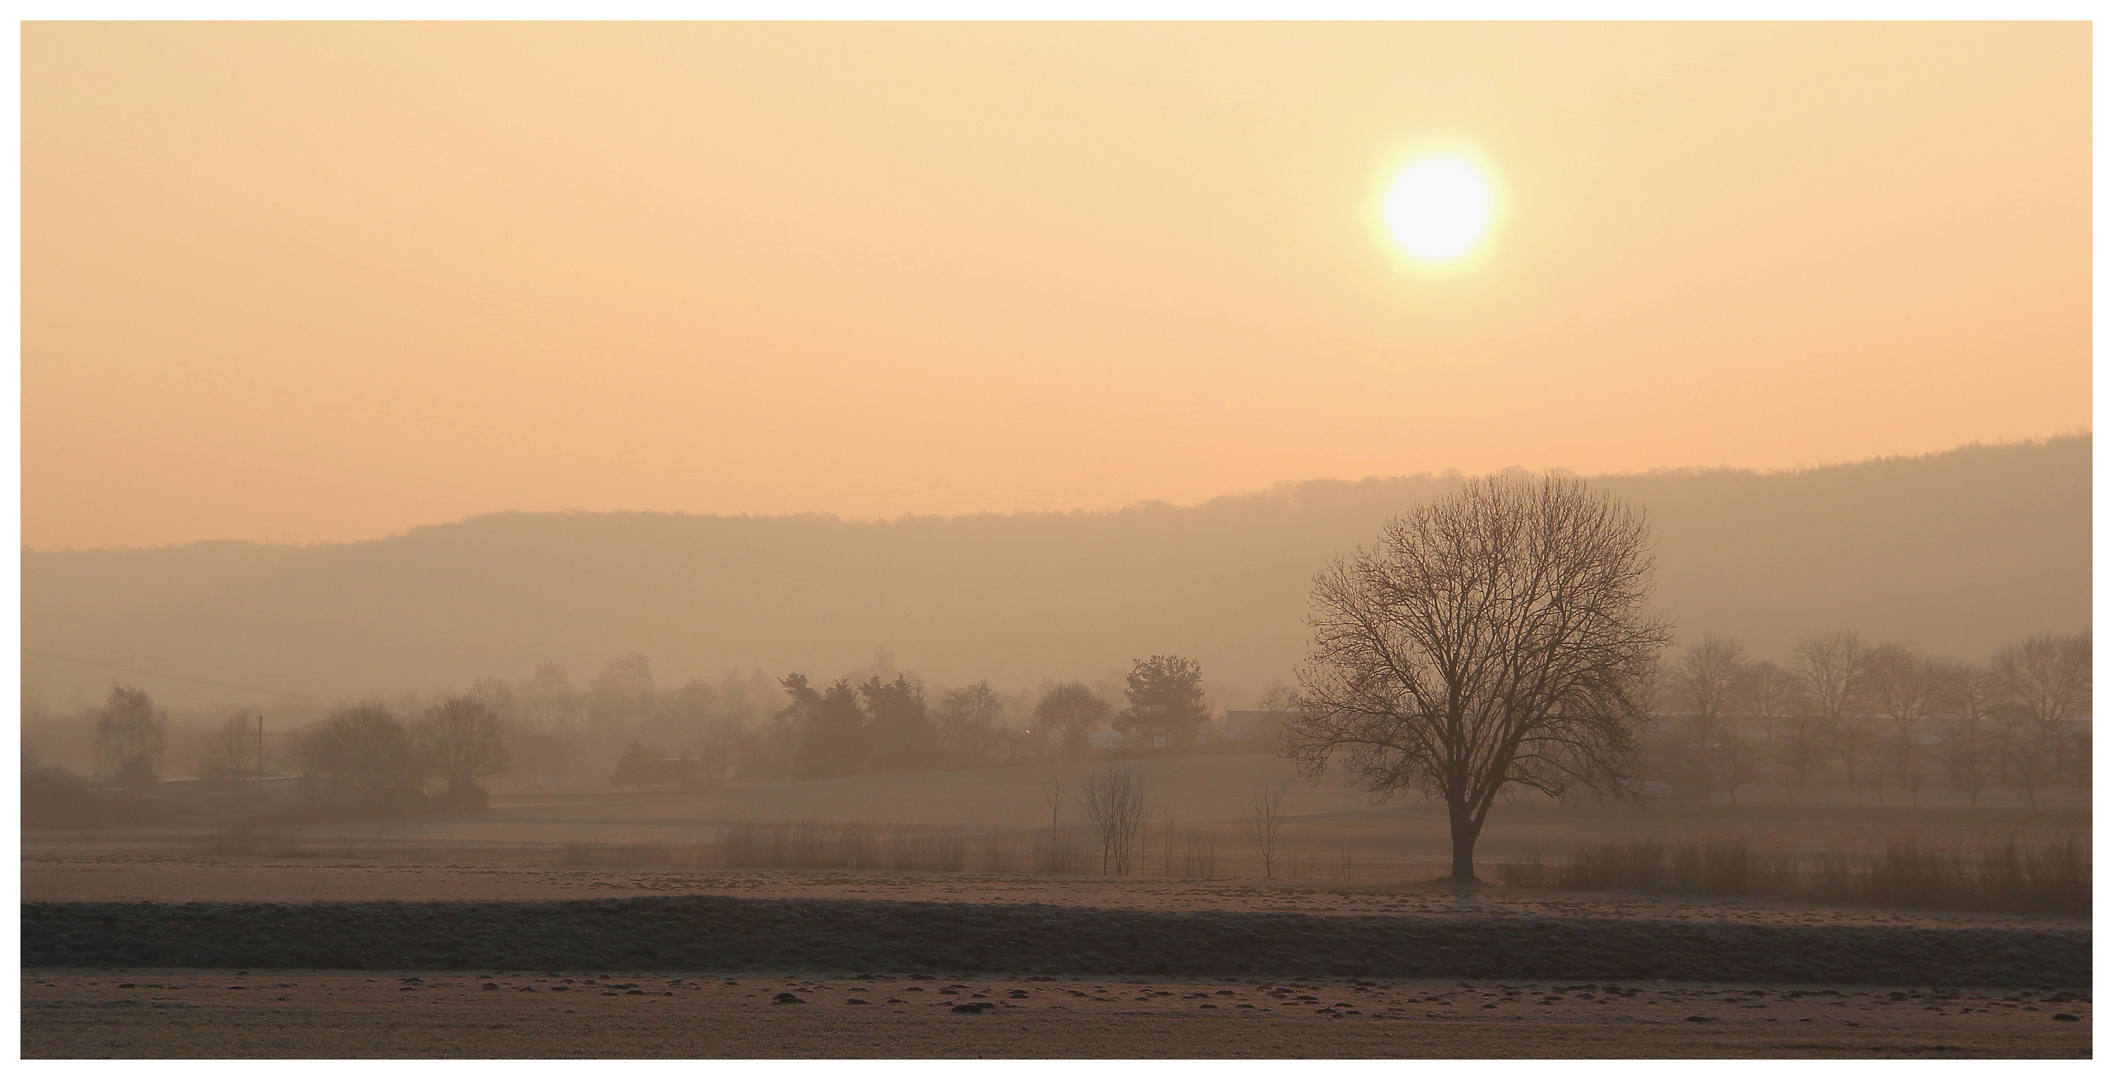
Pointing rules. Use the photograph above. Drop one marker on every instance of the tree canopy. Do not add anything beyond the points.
(1166, 701)
(1493, 637)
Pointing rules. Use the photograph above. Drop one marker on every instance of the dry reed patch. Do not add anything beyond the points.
(2000, 875)
(815, 845)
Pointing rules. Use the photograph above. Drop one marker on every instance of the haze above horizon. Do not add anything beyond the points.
(1251, 493)
(326, 282)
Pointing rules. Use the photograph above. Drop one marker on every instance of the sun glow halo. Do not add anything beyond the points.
(1439, 207)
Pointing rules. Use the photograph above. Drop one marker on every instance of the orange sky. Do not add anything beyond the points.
(325, 282)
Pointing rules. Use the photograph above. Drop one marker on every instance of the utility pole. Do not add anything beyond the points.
(260, 757)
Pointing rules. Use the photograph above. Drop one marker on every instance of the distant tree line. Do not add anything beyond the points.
(624, 729)
(1875, 721)
(1836, 718)
(874, 726)
(365, 752)
(875, 720)
(360, 751)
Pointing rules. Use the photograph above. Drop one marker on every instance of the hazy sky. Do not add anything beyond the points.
(325, 281)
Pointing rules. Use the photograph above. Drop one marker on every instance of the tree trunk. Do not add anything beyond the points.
(1465, 832)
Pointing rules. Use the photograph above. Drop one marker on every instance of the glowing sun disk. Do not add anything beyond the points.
(1439, 207)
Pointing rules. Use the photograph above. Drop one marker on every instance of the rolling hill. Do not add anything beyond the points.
(1951, 553)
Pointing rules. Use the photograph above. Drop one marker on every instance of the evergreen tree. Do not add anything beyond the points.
(1166, 701)
(901, 736)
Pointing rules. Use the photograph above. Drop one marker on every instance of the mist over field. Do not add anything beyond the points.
(1949, 554)
(1098, 539)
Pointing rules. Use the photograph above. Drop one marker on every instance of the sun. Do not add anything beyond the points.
(1439, 207)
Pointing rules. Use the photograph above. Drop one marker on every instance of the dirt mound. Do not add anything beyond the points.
(713, 933)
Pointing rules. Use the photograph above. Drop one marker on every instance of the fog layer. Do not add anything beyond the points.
(1950, 554)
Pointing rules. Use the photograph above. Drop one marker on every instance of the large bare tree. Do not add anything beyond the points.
(1493, 637)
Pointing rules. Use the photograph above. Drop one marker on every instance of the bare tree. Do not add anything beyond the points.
(1904, 688)
(1706, 678)
(2046, 678)
(232, 751)
(1073, 710)
(718, 744)
(1278, 697)
(2026, 753)
(2079, 754)
(1199, 855)
(1493, 637)
(546, 696)
(1905, 754)
(622, 695)
(1705, 684)
(1166, 844)
(1059, 850)
(1738, 760)
(1766, 691)
(1795, 743)
(1829, 670)
(128, 738)
(1856, 746)
(458, 744)
(2049, 675)
(542, 722)
(967, 722)
(1115, 807)
(365, 751)
(1970, 755)
(1801, 748)
(1265, 818)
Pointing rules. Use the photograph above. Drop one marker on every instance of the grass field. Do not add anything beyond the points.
(1348, 948)
(1194, 806)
